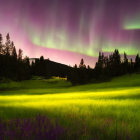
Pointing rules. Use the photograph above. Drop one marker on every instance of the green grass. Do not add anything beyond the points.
(109, 110)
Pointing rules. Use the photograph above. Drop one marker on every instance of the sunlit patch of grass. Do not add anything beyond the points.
(92, 111)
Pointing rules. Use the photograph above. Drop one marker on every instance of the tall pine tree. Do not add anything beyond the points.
(8, 45)
(1, 45)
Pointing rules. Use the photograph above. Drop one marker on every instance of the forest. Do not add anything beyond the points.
(16, 67)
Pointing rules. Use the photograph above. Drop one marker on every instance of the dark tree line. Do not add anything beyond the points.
(115, 65)
(81, 74)
(105, 68)
(13, 66)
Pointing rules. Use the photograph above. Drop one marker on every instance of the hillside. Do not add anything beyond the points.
(102, 110)
(57, 85)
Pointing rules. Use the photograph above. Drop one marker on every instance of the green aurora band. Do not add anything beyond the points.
(68, 30)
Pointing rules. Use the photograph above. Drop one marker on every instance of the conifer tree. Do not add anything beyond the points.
(14, 53)
(82, 65)
(137, 62)
(125, 58)
(1, 45)
(7, 45)
(20, 54)
(75, 66)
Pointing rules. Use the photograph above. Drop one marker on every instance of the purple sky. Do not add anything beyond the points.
(68, 30)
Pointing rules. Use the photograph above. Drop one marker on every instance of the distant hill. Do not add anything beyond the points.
(50, 67)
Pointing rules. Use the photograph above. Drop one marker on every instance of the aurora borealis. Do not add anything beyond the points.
(68, 30)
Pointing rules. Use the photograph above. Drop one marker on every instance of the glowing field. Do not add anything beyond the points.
(109, 110)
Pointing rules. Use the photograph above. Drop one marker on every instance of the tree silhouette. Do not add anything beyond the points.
(14, 52)
(75, 66)
(82, 65)
(16, 67)
(20, 54)
(1, 45)
(7, 45)
(137, 63)
(125, 58)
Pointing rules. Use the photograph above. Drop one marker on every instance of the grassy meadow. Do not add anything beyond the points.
(109, 110)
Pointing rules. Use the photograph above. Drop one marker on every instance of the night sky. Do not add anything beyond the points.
(68, 30)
